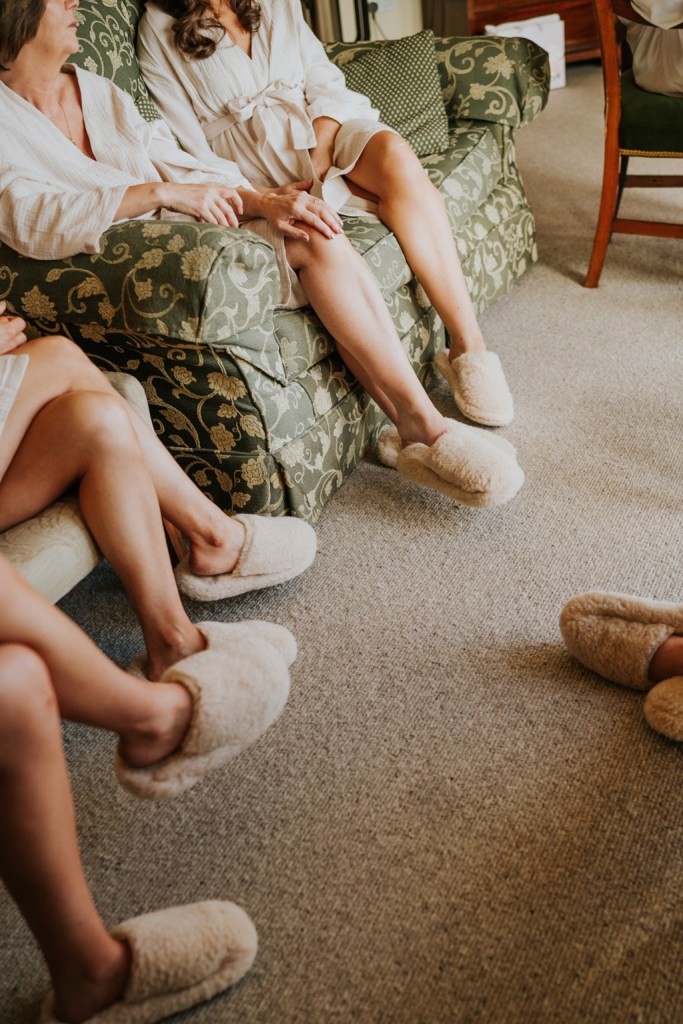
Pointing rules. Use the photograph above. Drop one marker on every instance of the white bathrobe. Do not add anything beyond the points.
(657, 55)
(12, 370)
(258, 111)
(54, 200)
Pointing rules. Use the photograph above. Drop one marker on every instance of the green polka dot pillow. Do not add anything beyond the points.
(401, 79)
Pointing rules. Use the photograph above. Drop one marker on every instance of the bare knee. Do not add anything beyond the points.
(318, 251)
(28, 705)
(70, 363)
(396, 167)
(98, 420)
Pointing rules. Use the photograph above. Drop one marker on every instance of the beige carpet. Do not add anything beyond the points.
(453, 823)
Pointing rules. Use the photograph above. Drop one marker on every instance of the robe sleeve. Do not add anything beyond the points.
(174, 164)
(325, 86)
(176, 107)
(50, 223)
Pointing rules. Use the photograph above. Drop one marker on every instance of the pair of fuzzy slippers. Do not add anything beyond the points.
(617, 636)
(239, 685)
(471, 466)
(182, 956)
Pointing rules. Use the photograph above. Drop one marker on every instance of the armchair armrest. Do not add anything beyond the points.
(493, 78)
(177, 279)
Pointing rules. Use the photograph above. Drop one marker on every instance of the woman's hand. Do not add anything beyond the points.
(325, 129)
(210, 204)
(12, 331)
(284, 209)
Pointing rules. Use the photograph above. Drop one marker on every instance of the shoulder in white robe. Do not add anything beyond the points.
(54, 200)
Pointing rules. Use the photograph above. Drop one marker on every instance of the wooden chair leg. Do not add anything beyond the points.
(623, 171)
(610, 184)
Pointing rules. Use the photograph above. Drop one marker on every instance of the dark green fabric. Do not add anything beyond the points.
(649, 121)
(106, 31)
(401, 79)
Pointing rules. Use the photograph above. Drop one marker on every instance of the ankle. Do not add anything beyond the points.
(667, 660)
(170, 643)
(160, 732)
(470, 343)
(84, 989)
(421, 429)
(217, 549)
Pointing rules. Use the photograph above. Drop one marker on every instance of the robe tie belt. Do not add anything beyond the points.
(258, 109)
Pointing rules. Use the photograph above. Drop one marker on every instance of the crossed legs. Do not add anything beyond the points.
(67, 426)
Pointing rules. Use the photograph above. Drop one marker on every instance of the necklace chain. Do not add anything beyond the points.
(66, 122)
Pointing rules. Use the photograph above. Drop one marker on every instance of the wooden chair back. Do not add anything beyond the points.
(615, 59)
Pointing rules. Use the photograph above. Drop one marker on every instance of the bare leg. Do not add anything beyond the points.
(667, 660)
(88, 438)
(150, 719)
(39, 858)
(58, 367)
(364, 331)
(413, 209)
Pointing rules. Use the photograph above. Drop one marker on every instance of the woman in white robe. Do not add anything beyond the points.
(657, 48)
(250, 82)
(83, 158)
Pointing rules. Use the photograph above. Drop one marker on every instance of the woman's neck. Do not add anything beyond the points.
(40, 86)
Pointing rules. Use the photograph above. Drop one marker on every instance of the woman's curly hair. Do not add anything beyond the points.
(195, 20)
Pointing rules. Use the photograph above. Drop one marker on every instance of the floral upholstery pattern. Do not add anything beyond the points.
(252, 401)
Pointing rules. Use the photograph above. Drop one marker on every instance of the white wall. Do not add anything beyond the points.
(404, 20)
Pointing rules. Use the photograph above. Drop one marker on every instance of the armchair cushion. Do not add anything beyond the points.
(650, 122)
(401, 79)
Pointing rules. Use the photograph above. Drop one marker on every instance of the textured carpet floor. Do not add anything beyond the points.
(452, 823)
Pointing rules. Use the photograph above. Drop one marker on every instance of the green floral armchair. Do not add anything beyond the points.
(254, 402)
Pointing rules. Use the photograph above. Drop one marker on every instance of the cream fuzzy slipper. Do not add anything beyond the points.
(238, 691)
(221, 635)
(274, 550)
(479, 386)
(664, 707)
(616, 635)
(179, 957)
(471, 466)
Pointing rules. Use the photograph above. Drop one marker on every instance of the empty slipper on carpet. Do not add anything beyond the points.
(471, 466)
(238, 690)
(275, 550)
(180, 956)
(479, 387)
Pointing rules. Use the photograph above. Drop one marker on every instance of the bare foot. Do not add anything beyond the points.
(219, 553)
(667, 660)
(151, 741)
(79, 998)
